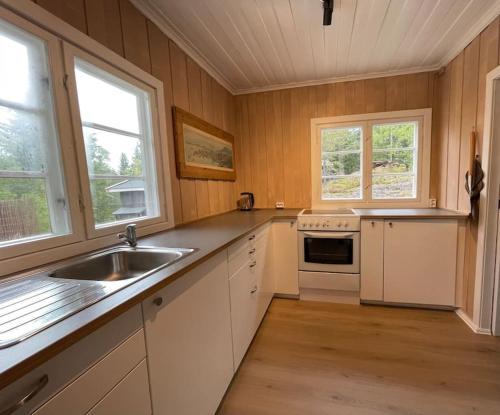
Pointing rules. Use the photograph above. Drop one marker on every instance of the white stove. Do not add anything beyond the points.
(329, 254)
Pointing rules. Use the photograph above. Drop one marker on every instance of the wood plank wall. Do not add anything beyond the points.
(274, 129)
(118, 25)
(459, 108)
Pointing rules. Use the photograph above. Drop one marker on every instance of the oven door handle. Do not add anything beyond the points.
(329, 235)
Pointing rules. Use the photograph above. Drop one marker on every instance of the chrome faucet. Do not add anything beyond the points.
(130, 235)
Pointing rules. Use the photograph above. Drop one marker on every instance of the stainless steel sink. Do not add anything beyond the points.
(120, 264)
(31, 303)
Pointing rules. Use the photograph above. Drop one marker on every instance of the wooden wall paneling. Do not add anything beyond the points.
(196, 108)
(331, 99)
(435, 143)
(417, 90)
(72, 12)
(374, 95)
(244, 180)
(135, 35)
(488, 60)
(469, 110)
(229, 124)
(258, 155)
(321, 92)
(355, 97)
(443, 119)
(160, 68)
(274, 147)
(104, 23)
(180, 91)
(395, 93)
(340, 99)
(457, 70)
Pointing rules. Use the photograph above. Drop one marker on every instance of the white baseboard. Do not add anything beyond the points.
(473, 326)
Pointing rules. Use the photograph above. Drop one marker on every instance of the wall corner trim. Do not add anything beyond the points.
(468, 321)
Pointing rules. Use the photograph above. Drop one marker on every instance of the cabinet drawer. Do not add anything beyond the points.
(65, 367)
(130, 396)
(81, 395)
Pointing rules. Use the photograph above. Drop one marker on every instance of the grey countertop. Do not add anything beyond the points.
(210, 236)
(424, 213)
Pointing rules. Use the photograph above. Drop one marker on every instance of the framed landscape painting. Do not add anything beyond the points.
(202, 150)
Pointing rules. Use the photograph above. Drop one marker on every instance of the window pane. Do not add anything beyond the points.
(341, 139)
(116, 106)
(129, 155)
(341, 161)
(24, 210)
(394, 135)
(393, 187)
(20, 144)
(32, 194)
(118, 199)
(341, 188)
(109, 153)
(394, 158)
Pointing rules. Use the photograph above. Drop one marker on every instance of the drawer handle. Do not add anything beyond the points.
(252, 251)
(157, 301)
(251, 238)
(251, 266)
(252, 291)
(390, 224)
(41, 383)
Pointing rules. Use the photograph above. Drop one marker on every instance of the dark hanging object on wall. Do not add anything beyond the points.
(327, 12)
(474, 184)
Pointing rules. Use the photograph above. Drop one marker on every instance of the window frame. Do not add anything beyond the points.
(71, 53)
(424, 119)
(65, 144)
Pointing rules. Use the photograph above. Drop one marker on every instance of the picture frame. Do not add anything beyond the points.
(202, 150)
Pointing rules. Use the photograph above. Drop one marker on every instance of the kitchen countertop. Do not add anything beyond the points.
(424, 213)
(210, 236)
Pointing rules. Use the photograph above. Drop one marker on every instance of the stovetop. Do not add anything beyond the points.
(341, 219)
(331, 212)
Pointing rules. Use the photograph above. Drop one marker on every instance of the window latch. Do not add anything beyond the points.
(65, 81)
(80, 203)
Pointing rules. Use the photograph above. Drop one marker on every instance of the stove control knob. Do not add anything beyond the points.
(339, 225)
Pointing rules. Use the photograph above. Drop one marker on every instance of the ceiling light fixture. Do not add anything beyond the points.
(327, 12)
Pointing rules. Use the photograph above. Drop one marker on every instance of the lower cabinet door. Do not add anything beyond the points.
(129, 397)
(244, 291)
(188, 341)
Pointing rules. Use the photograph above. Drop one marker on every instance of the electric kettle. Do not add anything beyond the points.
(246, 202)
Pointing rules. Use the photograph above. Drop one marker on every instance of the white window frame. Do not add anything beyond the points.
(71, 53)
(424, 118)
(67, 165)
(15, 258)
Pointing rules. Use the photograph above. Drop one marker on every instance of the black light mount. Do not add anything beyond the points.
(327, 12)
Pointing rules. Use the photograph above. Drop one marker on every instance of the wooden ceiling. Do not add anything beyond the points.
(252, 45)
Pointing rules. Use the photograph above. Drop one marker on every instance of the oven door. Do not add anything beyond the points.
(329, 251)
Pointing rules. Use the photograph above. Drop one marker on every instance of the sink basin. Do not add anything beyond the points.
(36, 301)
(121, 264)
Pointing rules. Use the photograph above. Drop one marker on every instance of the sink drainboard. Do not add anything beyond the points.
(30, 305)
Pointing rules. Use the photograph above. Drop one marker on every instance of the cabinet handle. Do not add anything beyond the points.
(252, 291)
(158, 301)
(251, 238)
(41, 383)
(373, 223)
(390, 224)
(251, 266)
(252, 251)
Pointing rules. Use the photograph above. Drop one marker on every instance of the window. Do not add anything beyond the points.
(377, 159)
(116, 124)
(33, 203)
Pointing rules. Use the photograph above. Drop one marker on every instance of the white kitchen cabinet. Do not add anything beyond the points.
(189, 343)
(285, 257)
(130, 396)
(75, 380)
(420, 261)
(251, 289)
(372, 260)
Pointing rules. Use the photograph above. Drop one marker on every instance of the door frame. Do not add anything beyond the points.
(486, 314)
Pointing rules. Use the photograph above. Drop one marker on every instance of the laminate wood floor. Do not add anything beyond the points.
(313, 358)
